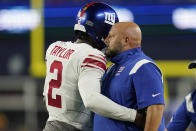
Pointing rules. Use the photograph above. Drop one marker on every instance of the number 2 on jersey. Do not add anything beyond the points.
(55, 84)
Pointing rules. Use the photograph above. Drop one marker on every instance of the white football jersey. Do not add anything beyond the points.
(66, 62)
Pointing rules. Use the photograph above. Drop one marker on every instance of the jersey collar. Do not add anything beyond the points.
(124, 56)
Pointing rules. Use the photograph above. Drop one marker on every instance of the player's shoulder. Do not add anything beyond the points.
(91, 58)
(86, 50)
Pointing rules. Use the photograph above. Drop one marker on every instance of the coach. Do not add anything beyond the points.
(134, 81)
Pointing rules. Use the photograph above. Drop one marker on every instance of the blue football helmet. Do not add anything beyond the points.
(96, 19)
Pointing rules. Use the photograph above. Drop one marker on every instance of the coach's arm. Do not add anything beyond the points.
(153, 117)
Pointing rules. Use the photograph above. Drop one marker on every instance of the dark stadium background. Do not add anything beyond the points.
(22, 68)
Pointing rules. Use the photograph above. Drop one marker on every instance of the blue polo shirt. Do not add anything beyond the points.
(185, 114)
(134, 81)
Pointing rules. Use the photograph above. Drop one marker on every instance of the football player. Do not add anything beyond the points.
(185, 113)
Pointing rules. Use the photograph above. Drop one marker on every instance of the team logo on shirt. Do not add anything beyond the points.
(154, 95)
(120, 70)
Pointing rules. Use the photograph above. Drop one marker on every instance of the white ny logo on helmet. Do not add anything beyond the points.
(109, 18)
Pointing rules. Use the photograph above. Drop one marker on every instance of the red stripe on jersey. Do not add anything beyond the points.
(90, 67)
(98, 57)
(95, 62)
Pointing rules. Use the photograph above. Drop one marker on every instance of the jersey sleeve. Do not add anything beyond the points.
(94, 61)
(93, 65)
(92, 69)
(180, 119)
(148, 86)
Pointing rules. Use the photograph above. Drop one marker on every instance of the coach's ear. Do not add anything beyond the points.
(124, 42)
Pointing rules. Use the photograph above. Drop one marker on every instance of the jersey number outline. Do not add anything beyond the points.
(55, 84)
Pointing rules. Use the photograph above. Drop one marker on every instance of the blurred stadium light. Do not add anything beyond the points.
(125, 15)
(184, 18)
(18, 20)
